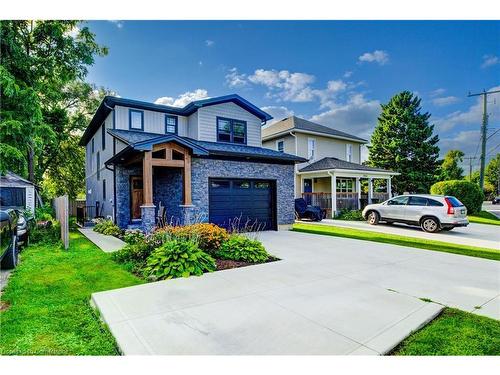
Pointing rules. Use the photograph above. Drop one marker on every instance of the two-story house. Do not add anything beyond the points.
(202, 162)
(333, 174)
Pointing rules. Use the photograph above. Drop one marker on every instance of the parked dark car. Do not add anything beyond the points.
(24, 226)
(8, 238)
(496, 200)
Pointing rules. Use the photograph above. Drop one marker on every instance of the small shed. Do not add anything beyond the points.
(17, 192)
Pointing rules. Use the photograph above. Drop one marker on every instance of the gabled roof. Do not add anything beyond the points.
(334, 163)
(298, 124)
(109, 102)
(138, 141)
(12, 179)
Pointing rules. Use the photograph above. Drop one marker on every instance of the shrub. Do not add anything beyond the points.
(46, 232)
(241, 248)
(353, 215)
(133, 236)
(133, 255)
(209, 237)
(178, 258)
(467, 192)
(107, 227)
(44, 213)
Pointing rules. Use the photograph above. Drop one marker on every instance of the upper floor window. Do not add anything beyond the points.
(136, 119)
(311, 148)
(280, 146)
(229, 130)
(103, 136)
(348, 152)
(98, 164)
(170, 124)
(92, 146)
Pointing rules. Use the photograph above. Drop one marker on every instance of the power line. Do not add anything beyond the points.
(484, 128)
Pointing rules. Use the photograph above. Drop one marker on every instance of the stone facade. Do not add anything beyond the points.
(283, 174)
(168, 188)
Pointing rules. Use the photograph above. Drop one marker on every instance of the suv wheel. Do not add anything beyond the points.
(10, 259)
(429, 224)
(373, 218)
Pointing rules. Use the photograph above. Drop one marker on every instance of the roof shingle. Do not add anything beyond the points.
(334, 163)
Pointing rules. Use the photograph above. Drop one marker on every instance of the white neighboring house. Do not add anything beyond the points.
(333, 175)
(17, 192)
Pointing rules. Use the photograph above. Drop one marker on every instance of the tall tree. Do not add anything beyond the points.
(403, 142)
(450, 167)
(42, 72)
(492, 174)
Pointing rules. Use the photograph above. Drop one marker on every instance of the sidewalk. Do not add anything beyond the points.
(108, 244)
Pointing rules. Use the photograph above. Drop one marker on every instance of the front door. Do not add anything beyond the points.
(136, 197)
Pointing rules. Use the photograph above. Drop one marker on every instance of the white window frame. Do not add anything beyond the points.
(311, 151)
(348, 152)
(277, 145)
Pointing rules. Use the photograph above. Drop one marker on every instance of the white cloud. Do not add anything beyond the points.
(235, 79)
(445, 100)
(209, 43)
(356, 116)
(278, 113)
(378, 56)
(348, 74)
(183, 99)
(471, 116)
(437, 92)
(117, 23)
(284, 85)
(490, 60)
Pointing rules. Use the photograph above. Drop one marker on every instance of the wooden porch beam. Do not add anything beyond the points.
(147, 178)
(167, 163)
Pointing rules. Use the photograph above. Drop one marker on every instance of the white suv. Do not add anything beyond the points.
(431, 212)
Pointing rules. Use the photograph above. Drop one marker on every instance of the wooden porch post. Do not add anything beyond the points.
(389, 187)
(358, 190)
(334, 194)
(147, 179)
(370, 190)
(187, 180)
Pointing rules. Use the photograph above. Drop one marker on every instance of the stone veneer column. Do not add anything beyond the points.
(148, 216)
(187, 214)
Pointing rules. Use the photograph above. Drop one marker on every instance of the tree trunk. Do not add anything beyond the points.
(31, 169)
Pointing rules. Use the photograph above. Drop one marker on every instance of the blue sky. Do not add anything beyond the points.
(333, 72)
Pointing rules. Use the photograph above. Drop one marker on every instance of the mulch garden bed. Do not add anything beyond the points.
(224, 264)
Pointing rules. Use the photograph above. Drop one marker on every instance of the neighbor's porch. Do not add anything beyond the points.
(352, 191)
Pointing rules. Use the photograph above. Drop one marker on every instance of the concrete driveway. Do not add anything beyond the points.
(482, 235)
(326, 296)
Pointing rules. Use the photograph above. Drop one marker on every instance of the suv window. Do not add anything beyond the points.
(434, 203)
(454, 202)
(417, 201)
(398, 201)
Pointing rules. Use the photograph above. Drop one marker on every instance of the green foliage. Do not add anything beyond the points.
(133, 256)
(49, 295)
(44, 213)
(454, 332)
(107, 227)
(403, 142)
(450, 166)
(45, 101)
(353, 215)
(49, 233)
(133, 236)
(492, 174)
(242, 248)
(466, 192)
(178, 258)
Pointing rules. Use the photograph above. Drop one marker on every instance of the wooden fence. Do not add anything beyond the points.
(61, 206)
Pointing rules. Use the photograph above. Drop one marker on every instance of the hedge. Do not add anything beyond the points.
(467, 192)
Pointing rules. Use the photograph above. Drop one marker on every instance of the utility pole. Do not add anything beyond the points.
(484, 128)
(470, 158)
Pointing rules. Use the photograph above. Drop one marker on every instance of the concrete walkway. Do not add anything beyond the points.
(327, 295)
(108, 244)
(481, 235)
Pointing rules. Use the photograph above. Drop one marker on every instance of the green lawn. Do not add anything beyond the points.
(420, 243)
(454, 332)
(49, 294)
(484, 217)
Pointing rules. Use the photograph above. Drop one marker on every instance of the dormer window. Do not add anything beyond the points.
(136, 119)
(230, 130)
(171, 124)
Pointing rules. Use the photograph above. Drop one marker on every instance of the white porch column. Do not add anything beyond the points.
(370, 190)
(301, 185)
(389, 187)
(358, 190)
(334, 194)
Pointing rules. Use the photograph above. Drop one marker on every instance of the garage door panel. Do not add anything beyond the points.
(245, 201)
